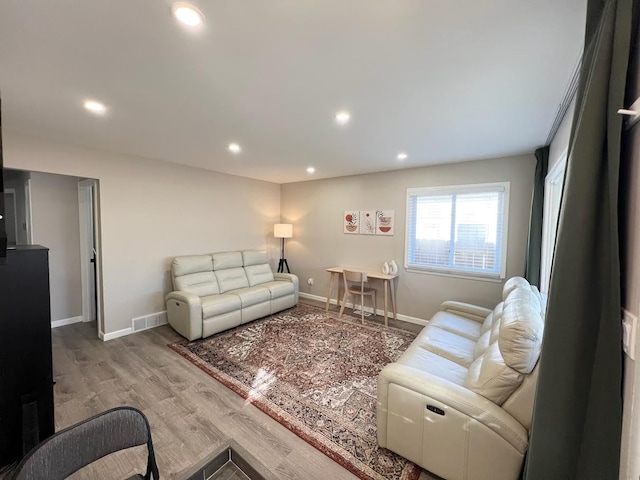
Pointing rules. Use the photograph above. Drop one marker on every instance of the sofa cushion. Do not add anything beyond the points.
(200, 284)
(254, 257)
(495, 331)
(215, 305)
(191, 264)
(538, 295)
(226, 260)
(259, 274)
(520, 338)
(524, 296)
(279, 288)
(231, 279)
(250, 296)
(448, 345)
(482, 344)
(512, 284)
(492, 317)
(454, 323)
(194, 274)
(491, 377)
(418, 357)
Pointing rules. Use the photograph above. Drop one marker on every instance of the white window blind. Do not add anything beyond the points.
(458, 230)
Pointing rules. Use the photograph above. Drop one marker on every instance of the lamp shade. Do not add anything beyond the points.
(283, 230)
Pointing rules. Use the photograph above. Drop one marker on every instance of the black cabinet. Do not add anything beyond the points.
(26, 372)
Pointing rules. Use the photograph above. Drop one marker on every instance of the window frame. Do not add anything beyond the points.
(553, 185)
(502, 187)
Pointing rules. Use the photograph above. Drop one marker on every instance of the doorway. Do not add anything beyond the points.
(11, 217)
(90, 265)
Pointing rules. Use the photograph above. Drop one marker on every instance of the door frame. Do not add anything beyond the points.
(27, 210)
(89, 222)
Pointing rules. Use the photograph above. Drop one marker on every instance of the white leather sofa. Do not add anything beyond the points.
(459, 401)
(223, 290)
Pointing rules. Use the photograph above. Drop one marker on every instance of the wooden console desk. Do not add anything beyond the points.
(336, 273)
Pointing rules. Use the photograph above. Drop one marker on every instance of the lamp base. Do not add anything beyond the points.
(281, 265)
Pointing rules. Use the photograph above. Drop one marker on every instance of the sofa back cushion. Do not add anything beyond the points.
(222, 261)
(514, 343)
(482, 344)
(194, 274)
(492, 317)
(254, 257)
(520, 337)
(525, 296)
(512, 284)
(228, 269)
(491, 377)
(259, 274)
(256, 266)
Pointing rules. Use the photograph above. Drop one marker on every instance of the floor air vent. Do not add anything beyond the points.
(149, 321)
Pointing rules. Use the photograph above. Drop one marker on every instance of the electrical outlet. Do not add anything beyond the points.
(310, 282)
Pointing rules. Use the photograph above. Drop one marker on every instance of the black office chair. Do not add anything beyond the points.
(77, 446)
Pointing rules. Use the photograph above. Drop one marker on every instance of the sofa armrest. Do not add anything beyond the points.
(455, 396)
(289, 277)
(467, 310)
(286, 277)
(184, 312)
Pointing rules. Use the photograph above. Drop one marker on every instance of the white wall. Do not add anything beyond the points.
(152, 211)
(630, 269)
(54, 204)
(316, 209)
(630, 455)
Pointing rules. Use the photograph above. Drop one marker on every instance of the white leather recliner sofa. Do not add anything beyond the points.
(459, 401)
(223, 290)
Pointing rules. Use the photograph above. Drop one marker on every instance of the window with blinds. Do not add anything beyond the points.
(458, 230)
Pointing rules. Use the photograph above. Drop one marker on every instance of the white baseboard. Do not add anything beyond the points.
(150, 321)
(380, 312)
(66, 321)
(117, 334)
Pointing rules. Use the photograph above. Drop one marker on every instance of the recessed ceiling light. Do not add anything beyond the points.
(402, 156)
(95, 107)
(310, 170)
(342, 118)
(234, 148)
(187, 14)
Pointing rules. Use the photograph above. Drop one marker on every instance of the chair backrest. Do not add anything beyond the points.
(354, 277)
(79, 445)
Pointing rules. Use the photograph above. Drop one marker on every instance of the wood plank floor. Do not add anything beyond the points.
(190, 413)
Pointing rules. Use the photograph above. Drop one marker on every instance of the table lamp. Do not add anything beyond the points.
(283, 230)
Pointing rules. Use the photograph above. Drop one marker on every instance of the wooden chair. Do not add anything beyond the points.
(354, 286)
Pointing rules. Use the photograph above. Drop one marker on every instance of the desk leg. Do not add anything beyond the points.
(386, 308)
(331, 281)
(393, 297)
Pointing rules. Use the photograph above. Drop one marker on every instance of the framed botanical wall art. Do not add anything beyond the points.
(351, 221)
(367, 222)
(384, 222)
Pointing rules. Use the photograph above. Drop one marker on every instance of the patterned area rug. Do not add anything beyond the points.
(315, 374)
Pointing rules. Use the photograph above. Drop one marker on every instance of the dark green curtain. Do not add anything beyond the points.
(534, 245)
(577, 417)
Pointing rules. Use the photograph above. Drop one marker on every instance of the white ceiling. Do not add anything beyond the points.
(443, 80)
